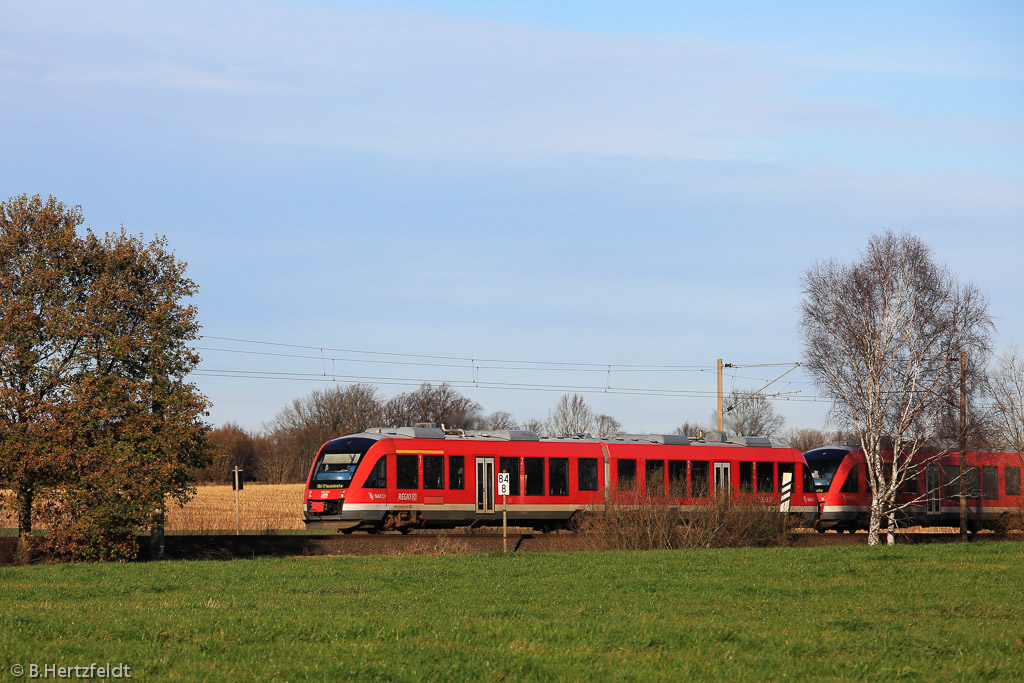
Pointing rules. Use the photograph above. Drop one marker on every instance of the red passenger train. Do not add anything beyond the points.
(410, 477)
(931, 497)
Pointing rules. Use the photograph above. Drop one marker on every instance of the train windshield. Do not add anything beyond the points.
(823, 472)
(338, 462)
(824, 464)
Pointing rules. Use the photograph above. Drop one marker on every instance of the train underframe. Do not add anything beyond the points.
(405, 520)
(859, 519)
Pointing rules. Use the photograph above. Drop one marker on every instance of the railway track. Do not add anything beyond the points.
(230, 546)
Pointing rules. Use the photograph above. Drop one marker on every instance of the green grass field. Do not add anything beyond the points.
(934, 612)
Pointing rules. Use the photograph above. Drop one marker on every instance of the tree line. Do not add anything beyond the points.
(282, 451)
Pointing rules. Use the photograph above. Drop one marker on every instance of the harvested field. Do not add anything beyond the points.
(262, 507)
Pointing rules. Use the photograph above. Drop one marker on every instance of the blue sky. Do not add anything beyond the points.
(611, 183)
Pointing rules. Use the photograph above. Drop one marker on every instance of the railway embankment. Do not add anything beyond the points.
(230, 546)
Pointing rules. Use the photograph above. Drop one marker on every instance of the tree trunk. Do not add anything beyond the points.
(875, 524)
(25, 496)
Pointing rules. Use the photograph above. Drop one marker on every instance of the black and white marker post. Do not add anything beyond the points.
(503, 492)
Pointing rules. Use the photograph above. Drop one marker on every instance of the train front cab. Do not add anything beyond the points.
(346, 483)
(838, 483)
(419, 477)
(930, 496)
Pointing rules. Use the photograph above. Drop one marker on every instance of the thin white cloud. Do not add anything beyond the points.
(402, 82)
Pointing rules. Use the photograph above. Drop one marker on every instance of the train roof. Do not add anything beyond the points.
(712, 438)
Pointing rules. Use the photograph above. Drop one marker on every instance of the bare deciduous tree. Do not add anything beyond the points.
(751, 414)
(607, 427)
(879, 336)
(299, 429)
(571, 416)
(498, 420)
(229, 446)
(334, 411)
(440, 405)
(1006, 387)
(535, 424)
(286, 456)
(691, 429)
(805, 439)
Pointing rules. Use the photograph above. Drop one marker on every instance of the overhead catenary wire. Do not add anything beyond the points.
(321, 354)
(457, 383)
(540, 366)
(600, 366)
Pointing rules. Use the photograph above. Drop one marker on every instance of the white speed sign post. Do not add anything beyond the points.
(503, 492)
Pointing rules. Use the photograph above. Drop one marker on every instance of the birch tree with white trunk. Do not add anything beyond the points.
(879, 337)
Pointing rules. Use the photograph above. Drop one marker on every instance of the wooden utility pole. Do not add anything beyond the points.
(963, 446)
(720, 416)
(237, 483)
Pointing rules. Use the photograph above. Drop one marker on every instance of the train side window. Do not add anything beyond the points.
(972, 483)
(378, 478)
(784, 468)
(765, 477)
(990, 483)
(852, 483)
(433, 471)
(747, 477)
(558, 476)
(951, 480)
(677, 478)
(910, 483)
(654, 470)
(456, 472)
(587, 473)
(408, 471)
(1012, 475)
(625, 469)
(534, 471)
(808, 480)
(510, 465)
(700, 475)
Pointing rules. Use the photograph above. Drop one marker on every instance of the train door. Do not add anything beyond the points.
(484, 485)
(931, 482)
(722, 480)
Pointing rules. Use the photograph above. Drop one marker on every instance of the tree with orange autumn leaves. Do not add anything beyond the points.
(98, 425)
